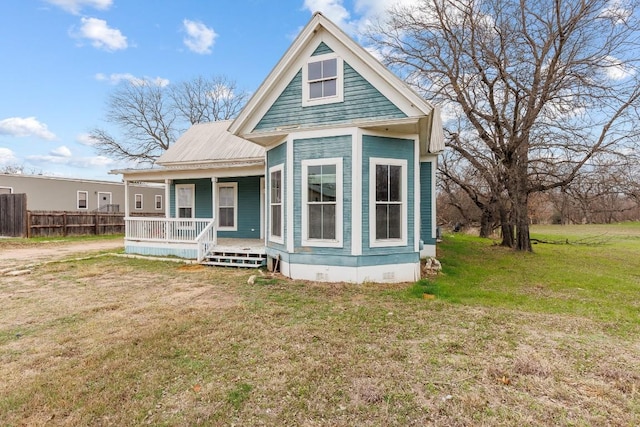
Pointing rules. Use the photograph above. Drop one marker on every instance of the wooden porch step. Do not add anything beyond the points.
(235, 259)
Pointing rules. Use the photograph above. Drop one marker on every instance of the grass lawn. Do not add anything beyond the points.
(549, 338)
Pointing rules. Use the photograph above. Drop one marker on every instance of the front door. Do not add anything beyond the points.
(104, 202)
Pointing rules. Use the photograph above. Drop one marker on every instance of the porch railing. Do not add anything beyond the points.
(177, 230)
(206, 240)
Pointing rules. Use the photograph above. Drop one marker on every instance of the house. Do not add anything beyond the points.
(329, 170)
(50, 193)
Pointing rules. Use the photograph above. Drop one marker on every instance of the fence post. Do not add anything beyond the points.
(64, 224)
(96, 224)
(28, 224)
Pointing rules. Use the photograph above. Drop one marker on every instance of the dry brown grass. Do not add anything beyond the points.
(116, 341)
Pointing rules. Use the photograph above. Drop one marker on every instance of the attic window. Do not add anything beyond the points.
(323, 78)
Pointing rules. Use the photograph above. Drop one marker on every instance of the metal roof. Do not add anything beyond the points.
(210, 142)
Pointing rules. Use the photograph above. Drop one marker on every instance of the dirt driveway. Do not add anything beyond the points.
(31, 254)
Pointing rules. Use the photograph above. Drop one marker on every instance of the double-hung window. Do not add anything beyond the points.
(185, 200)
(322, 80)
(158, 202)
(138, 201)
(388, 202)
(322, 202)
(228, 206)
(275, 204)
(83, 197)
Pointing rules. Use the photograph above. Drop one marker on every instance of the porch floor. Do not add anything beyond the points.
(226, 244)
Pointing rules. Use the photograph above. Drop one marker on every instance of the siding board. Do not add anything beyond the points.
(361, 101)
(392, 148)
(318, 148)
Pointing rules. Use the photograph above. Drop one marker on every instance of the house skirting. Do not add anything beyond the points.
(182, 250)
(428, 251)
(392, 268)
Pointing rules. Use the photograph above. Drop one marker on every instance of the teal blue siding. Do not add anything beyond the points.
(392, 148)
(204, 194)
(277, 156)
(426, 192)
(319, 148)
(322, 49)
(248, 208)
(361, 101)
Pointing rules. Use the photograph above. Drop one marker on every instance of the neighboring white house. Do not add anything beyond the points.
(48, 193)
(329, 169)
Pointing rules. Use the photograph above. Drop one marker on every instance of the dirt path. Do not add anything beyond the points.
(53, 251)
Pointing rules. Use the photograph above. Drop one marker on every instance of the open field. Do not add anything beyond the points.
(549, 338)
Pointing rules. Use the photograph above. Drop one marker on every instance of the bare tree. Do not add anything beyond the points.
(537, 88)
(150, 116)
(208, 100)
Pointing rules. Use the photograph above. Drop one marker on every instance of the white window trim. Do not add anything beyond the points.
(272, 238)
(306, 241)
(402, 241)
(193, 199)
(135, 202)
(158, 197)
(7, 188)
(234, 185)
(338, 97)
(86, 199)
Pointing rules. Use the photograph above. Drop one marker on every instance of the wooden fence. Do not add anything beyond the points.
(13, 215)
(70, 223)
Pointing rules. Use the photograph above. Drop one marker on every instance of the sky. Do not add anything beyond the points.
(60, 60)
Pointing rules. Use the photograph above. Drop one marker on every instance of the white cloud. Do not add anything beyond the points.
(616, 10)
(616, 70)
(366, 10)
(77, 162)
(116, 78)
(332, 9)
(199, 38)
(25, 126)
(101, 35)
(75, 6)
(86, 139)
(7, 156)
(62, 151)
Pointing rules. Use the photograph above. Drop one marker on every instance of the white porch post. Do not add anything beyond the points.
(126, 198)
(214, 193)
(167, 198)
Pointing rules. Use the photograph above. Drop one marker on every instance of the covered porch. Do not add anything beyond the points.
(191, 238)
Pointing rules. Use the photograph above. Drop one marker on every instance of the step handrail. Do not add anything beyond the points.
(206, 239)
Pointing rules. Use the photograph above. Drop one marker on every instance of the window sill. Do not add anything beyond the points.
(387, 243)
(322, 243)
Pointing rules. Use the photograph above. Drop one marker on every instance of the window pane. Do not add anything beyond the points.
(394, 221)
(329, 88)
(315, 90)
(225, 217)
(184, 213)
(226, 196)
(276, 183)
(329, 222)
(315, 70)
(276, 220)
(381, 222)
(314, 183)
(315, 221)
(395, 183)
(329, 183)
(329, 68)
(184, 196)
(382, 183)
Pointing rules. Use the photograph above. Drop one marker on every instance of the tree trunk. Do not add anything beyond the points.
(507, 229)
(486, 223)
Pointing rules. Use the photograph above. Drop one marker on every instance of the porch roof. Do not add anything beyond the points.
(209, 142)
